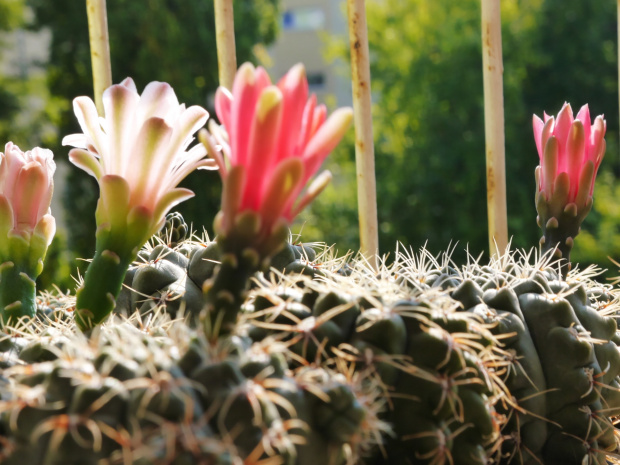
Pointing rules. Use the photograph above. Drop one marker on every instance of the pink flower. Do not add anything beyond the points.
(275, 140)
(26, 187)
(570, 151)
(139, 153)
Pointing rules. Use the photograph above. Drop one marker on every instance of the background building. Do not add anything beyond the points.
(305, 27)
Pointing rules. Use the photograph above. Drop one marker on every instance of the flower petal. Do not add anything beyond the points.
(549, 166)
(46, 228)
(223, 105)
(319, 117)
(120, 105)
(282, 186)
(191, 160)
(205, 137)
(561, 130)
(597, 164)
(30, 188)
(170, 199)
(157, 101)
(76, 140)
(575, 154)
(85, 160)
(6, 222)
(246, 89)
(305, 132)
(264, 138)
(585, 184)
(559, 198)
(86, 113)
(188, 122)
(208, 165)
(584, 116)
(11, 163)
(294, 88)
(150, 163)
(547, 132)
(597, 141)
(316, 187)
(129, 84)
(115, 195)
(538, 125)
(326, 139)
(141, 225)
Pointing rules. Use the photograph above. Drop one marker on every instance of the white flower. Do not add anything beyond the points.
(138, 152)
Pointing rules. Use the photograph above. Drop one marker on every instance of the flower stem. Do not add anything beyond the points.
(17, 294)
(102, 284)
(226, 292)
(561, 249)
(559, 235)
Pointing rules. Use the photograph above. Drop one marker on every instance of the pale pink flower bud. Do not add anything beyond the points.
(26, 188)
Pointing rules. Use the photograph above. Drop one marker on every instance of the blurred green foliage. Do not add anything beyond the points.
(27, 110)
(29, 117)
(428, 112)
(11, 14)
(429, 119)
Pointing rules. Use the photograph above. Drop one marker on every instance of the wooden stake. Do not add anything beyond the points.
(99, 49)
(494, 125)
(364, 144)
(225, 38)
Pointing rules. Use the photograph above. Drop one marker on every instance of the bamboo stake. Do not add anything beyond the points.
(225, 37)
(364, 144)
(99, 49)
(494, 125)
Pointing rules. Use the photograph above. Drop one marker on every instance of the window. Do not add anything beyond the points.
(316, 81)
(303, 19)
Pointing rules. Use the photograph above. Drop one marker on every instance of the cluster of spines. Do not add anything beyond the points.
(138, 392)
(174, 271)
(423, 362)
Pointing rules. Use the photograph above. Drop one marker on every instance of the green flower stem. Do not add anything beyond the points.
(17, 293)
(226, 292)
(102, 283)
(553, 239)
(559, 233)
(245, 250)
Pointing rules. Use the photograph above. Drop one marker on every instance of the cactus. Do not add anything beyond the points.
(172, 268)
(134, 195)
(423, 362)
(252, 350)
(27, 227)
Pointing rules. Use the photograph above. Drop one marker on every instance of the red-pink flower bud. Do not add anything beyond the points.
(574, 146)
(275, 138)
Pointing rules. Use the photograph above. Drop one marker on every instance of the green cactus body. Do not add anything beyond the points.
(422, 363)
